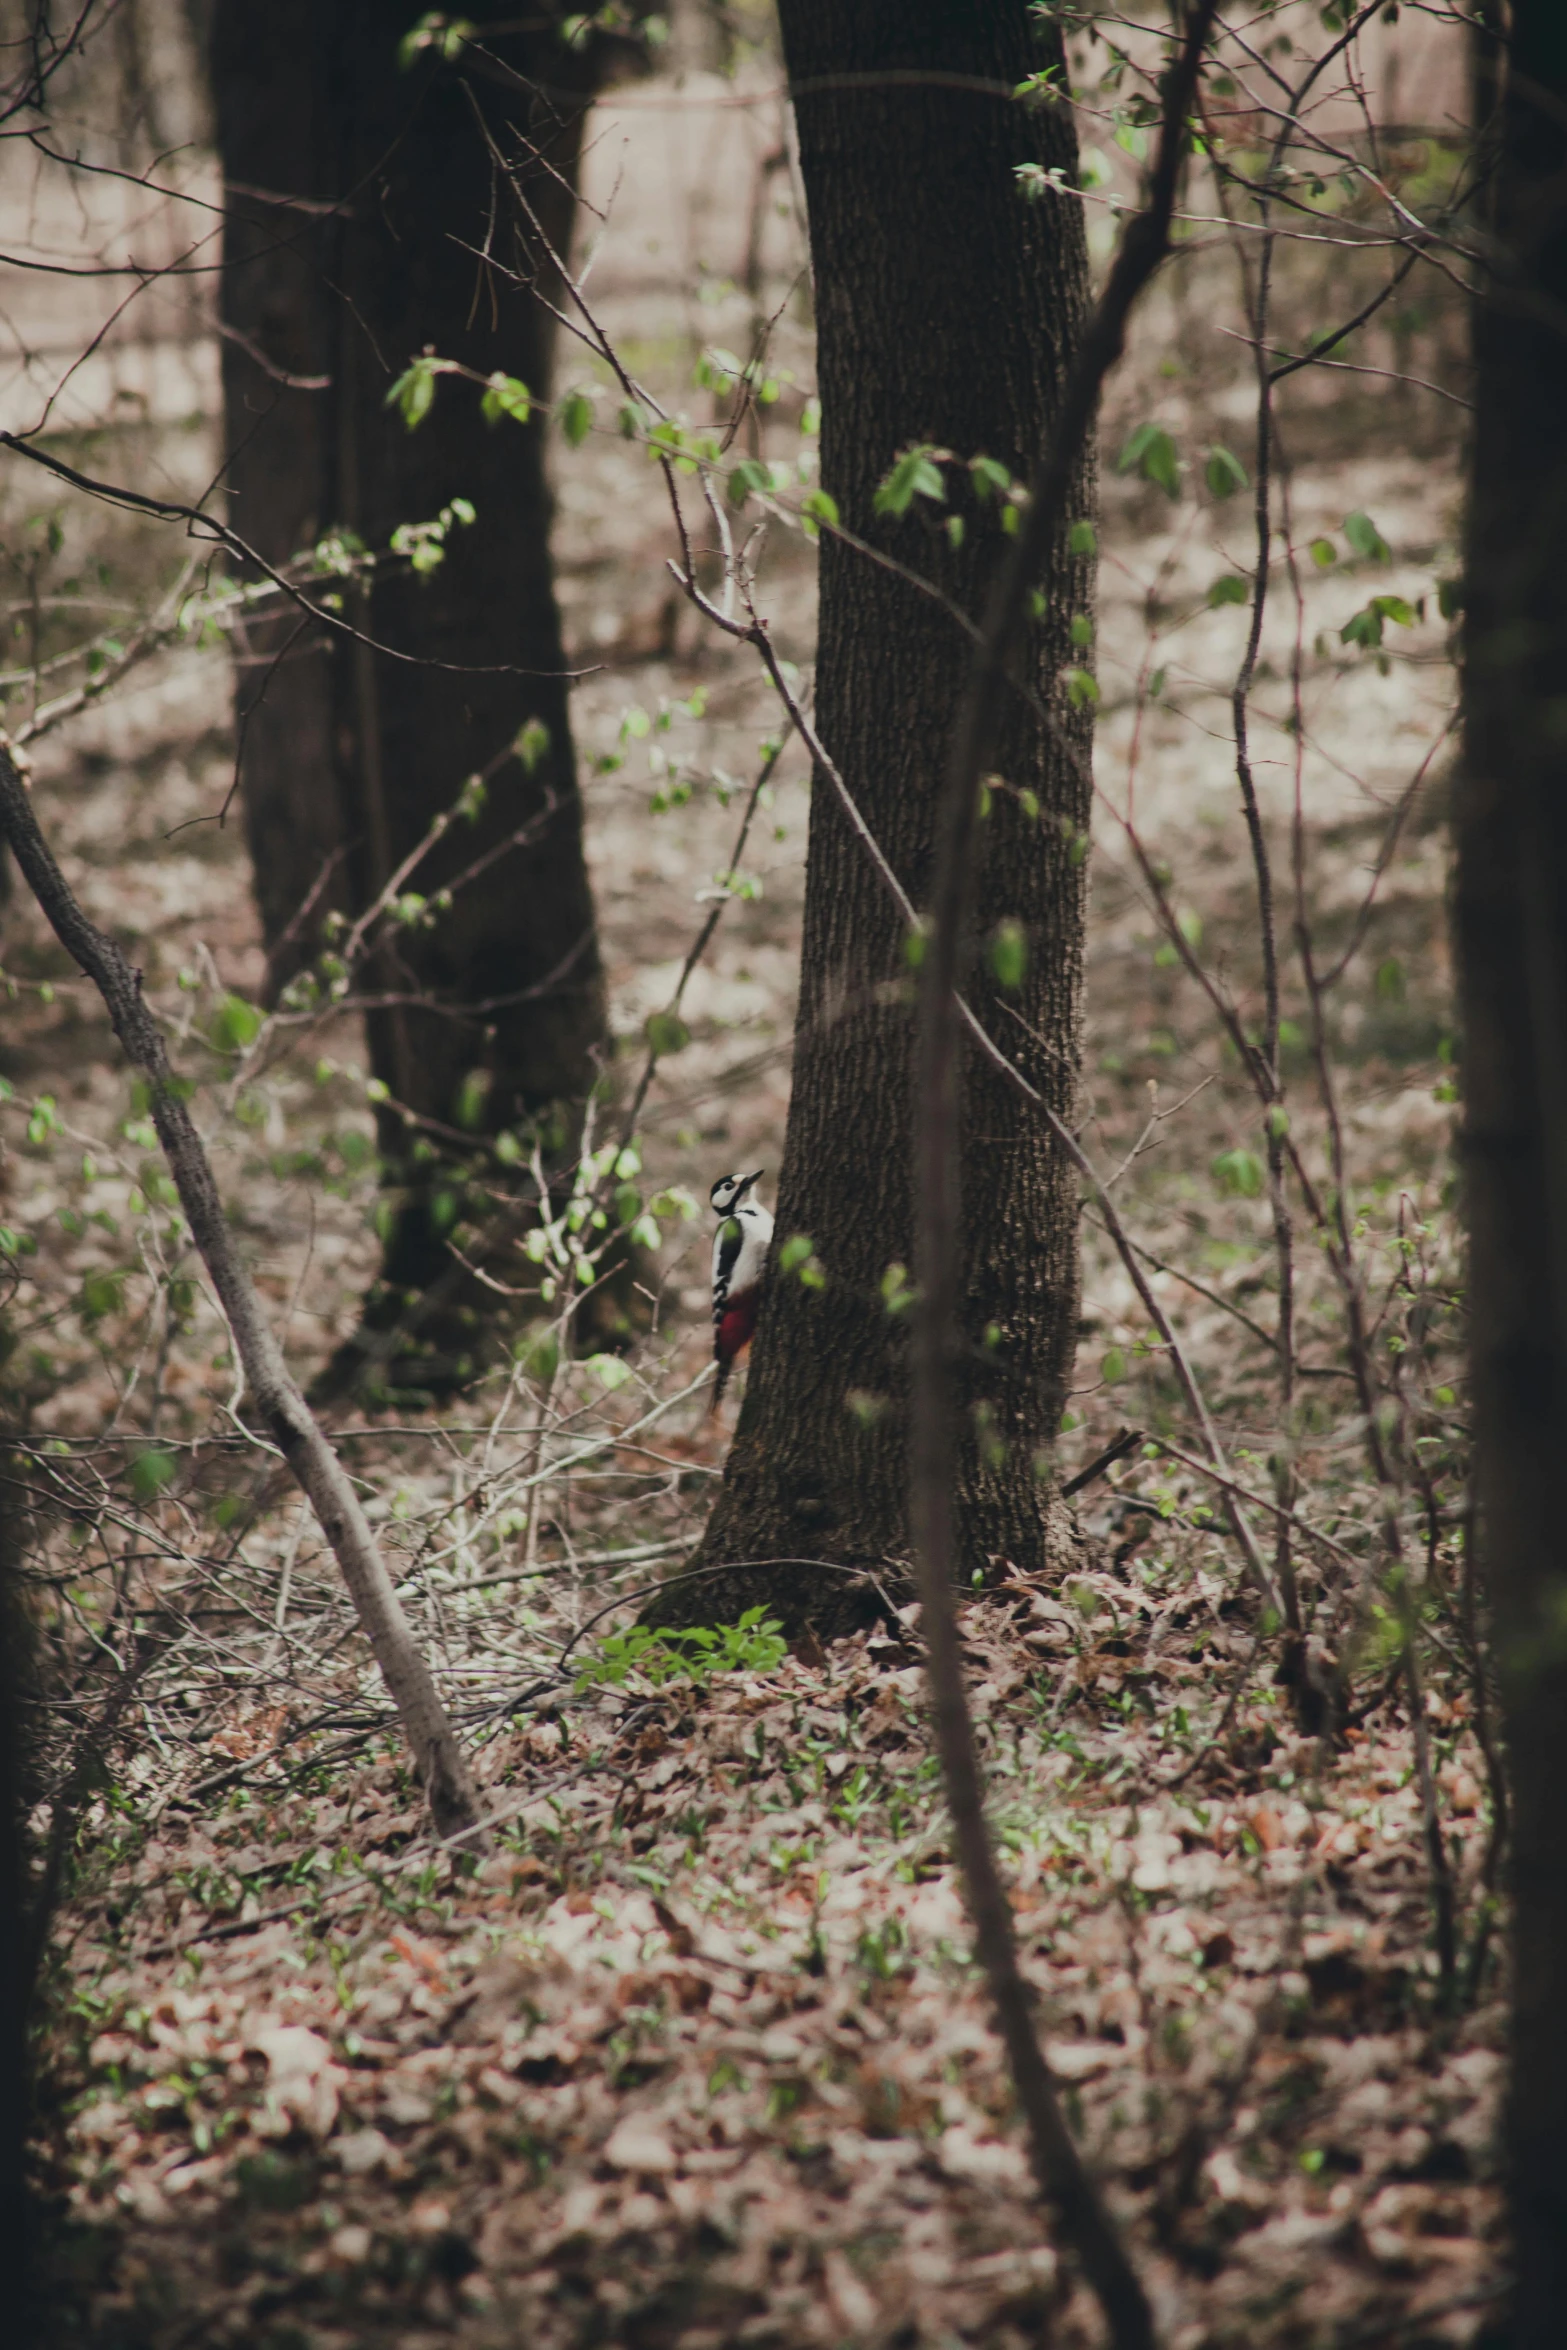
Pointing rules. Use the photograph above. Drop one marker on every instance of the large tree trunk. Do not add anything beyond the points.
(1511, 907)
(358, 196)
(948, 309)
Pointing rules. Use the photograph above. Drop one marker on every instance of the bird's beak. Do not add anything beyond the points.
(755, 1177)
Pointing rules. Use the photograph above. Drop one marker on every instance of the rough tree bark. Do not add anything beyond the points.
(949, 309)
(359, 196)
(1511, 918)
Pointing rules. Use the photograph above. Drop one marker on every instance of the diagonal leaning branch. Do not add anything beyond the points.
(1059, 2167)
(438, 1756)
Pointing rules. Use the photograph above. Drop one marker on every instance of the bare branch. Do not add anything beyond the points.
(443, 1769)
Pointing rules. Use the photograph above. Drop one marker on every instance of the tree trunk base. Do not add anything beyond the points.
(821, 1598)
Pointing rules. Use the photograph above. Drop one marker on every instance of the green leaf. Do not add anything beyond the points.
(747, 477)
(988, 475)
(1323, 552)
(1364, 628)
(1112, 1365)
(1082, 688)
(532, 745)
(1034, 181)
(818, 509)
(1238, 1174)
(1230, 589)
(1224, 473)
(1009, 954)
(45, 1119)
(102, 1292)
(796, 1251)
(151, 1471)
(1151, 452)
(1364, 536)
(912, 475)
(896, 1294)
(667, 1033)
(506, 395)
(414, 389)
(1390, 980)
(444, 36)
(1082, 630)
(235, 1025)
(718, 370)
(1083, 539)
(472, 1095)
(576, 417)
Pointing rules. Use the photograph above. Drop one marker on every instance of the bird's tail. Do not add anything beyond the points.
(725, 1366)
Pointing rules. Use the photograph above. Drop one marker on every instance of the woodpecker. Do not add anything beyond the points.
(740, 1245)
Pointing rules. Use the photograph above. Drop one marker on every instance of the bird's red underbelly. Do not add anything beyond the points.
(735, 1326)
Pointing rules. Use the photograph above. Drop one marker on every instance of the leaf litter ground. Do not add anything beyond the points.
(696, 2057)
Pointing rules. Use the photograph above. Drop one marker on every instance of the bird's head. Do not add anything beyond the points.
(730, 1190)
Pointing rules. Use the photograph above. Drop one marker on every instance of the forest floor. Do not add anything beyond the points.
(697, 2057)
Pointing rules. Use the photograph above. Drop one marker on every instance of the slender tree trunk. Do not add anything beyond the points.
(437, 1752)
(1511, 908)
(360, 196)
(949, 307)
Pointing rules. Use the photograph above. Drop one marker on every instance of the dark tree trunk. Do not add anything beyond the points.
(949, 306)
(1511, 908)
(358, 194)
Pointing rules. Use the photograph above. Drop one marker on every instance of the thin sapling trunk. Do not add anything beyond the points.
(442, 1767)
(937, 1171)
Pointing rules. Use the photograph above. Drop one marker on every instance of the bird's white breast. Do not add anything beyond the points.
(756, 1232)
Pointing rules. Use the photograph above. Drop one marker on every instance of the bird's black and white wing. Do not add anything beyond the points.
(727, 1243)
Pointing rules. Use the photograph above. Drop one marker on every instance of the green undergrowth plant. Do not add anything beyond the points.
(753, 1645)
